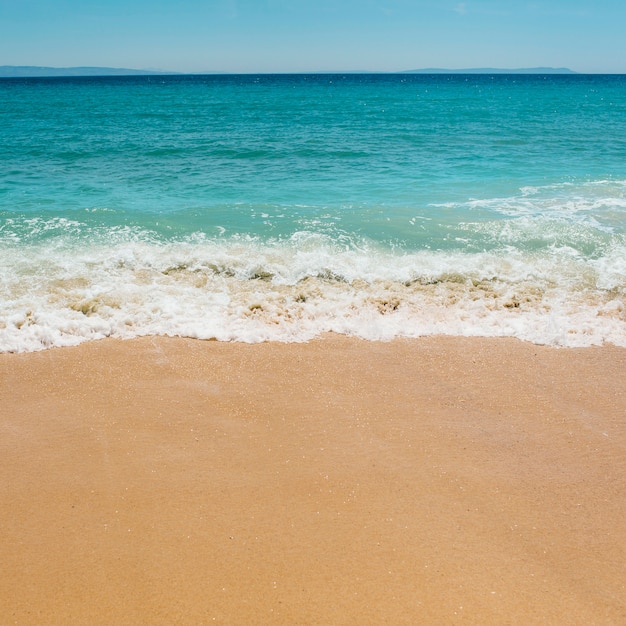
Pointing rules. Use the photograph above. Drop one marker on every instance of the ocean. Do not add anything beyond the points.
(281, 207)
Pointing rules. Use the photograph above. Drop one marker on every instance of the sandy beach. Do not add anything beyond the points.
(429, 481)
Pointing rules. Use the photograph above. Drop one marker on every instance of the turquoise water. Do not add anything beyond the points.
(259, 208)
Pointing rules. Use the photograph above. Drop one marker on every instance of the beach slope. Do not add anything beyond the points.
(428, 481)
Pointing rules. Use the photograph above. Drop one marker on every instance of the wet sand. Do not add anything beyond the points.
(431, 481)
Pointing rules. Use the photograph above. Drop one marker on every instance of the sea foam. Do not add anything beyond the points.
(244, 289)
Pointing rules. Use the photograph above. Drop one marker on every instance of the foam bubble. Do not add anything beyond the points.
(596, 203)
(54, 294)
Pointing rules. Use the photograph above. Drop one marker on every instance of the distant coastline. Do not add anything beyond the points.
(494, 70)
(36, 71)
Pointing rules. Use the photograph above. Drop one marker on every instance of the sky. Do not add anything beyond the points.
(252, 36)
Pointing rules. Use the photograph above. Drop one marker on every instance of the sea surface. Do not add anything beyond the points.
(280, 207)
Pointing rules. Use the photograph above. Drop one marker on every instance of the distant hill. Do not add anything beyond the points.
(493, 70)
(27, 71)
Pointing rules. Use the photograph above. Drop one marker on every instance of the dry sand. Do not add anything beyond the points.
(431, 481)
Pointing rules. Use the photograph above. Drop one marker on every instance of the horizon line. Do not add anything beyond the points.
(40, 71)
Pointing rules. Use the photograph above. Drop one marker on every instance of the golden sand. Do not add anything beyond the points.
(430, 481)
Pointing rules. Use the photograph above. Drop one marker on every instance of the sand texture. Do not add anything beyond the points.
(430, 481)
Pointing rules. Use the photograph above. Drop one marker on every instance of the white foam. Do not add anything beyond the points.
(599, 203)
(244, 290)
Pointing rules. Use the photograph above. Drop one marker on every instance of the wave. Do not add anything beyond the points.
(125, 283)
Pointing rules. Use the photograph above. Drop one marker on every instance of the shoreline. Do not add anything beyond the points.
(436, 480)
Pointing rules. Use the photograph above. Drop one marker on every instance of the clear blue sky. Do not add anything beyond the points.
(314, 35)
